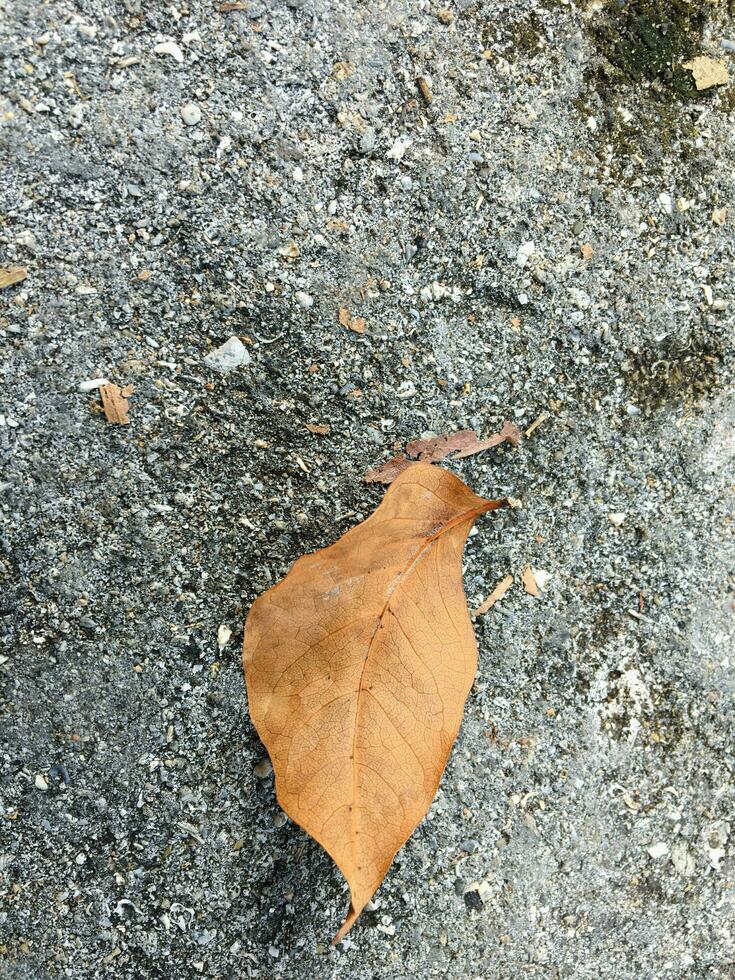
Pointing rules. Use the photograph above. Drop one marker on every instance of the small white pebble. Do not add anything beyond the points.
(170, 48)
(397, 150)
(92, 384)
(304, 300)
(658, 850)
(229, 356)
(81, 858)
(263, 768)
(617, 518)
(524, 253)
(191, 114)
(40, 782)
(223, 636)
(580, 298)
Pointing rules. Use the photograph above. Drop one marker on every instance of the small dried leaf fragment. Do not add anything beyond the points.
(10, 274)
(458, 445)
(358, 665)
(498, 592)
(389, 471)
(318, 430)
(707, 72)
(115, 403)
(354, 323)
(586, 251)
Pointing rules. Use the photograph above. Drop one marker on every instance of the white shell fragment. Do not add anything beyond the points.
(170, 48)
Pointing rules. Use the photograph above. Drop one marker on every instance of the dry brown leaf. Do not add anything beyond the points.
(318, 430)
(586, 251)
(226, 8)
(10, 274)
(355, 323)
(358, 665)
(498, 592)
(529, 581)
(115, 403)
(707, 72)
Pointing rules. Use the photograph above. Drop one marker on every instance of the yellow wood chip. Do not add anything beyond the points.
(355, 323)
(707, 72)
(498, 592)
(535, 424)
(342, 70)
(115, 403)
(529, 581)
(10, 274)
(423, 86)
(719, 216)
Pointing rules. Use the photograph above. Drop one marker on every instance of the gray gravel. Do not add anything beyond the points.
(173, 177)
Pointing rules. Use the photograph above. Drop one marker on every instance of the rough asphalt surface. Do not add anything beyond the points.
(264, 168)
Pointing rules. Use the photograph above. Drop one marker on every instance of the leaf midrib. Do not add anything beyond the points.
(405, 574)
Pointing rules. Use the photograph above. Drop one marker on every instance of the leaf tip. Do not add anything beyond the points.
(350, 919)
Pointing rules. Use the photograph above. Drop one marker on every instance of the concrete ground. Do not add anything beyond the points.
(544, 224)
